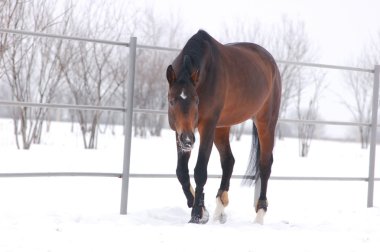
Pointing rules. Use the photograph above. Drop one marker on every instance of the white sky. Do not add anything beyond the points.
(337, 28)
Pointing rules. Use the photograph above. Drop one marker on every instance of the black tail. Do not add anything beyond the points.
(252, 173)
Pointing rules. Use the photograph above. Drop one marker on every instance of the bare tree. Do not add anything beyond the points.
(359, 105)
(2, 21)
(92, 71)
(290, 42)
(91, 83)
(309, 112)
(151, 85)
(30, 66)
(360, 88)
(8, 15)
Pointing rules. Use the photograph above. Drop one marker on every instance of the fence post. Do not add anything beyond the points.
(128, 126)
(372, 150)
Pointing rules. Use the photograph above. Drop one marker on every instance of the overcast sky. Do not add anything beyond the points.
(337, 28)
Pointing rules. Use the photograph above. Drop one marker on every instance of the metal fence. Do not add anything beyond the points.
(129, 110)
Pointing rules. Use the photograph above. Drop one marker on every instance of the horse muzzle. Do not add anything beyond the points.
(186, 141)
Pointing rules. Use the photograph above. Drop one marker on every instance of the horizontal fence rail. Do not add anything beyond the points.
(60, 106)
(64, 37)
(160, 112)
(169, 176)
(83, 39)
(161, 48)
(132, 45)
(336, 67)
(59, 174)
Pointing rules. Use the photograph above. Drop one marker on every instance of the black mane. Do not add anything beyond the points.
(196, 47)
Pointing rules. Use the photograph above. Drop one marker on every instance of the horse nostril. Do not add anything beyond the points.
(187, 140)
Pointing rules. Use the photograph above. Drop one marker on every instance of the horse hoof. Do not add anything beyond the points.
(196, 219)
(222, 218)
(219, 214)
(260, 216)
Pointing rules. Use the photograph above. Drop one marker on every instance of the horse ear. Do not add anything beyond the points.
(188, 64)
(170, 74)
(195, 76)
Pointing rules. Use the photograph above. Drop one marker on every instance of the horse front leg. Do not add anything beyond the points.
(182, 172)
(199, 213)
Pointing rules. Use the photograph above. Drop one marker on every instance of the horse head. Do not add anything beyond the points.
(183, 103)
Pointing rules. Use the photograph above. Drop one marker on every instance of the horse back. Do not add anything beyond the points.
(251, 81)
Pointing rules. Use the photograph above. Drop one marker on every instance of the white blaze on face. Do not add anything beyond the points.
(183, 95)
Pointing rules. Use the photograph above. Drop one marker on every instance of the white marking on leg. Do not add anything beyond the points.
(192, 191)
(205, 216)
(183, 95)
(219, 209)
(219, 214)
(260, 216)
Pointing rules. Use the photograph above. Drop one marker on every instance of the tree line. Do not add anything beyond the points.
(34, 69)
(46, 70)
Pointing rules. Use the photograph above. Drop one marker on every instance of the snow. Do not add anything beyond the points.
(82, 213)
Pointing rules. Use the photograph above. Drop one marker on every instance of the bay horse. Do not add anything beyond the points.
(212, 87)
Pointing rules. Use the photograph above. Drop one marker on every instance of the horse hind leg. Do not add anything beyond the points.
(227, 160)
(266, 139)
(261, 202)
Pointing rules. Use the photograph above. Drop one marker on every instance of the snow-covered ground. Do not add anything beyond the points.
(82, 213)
